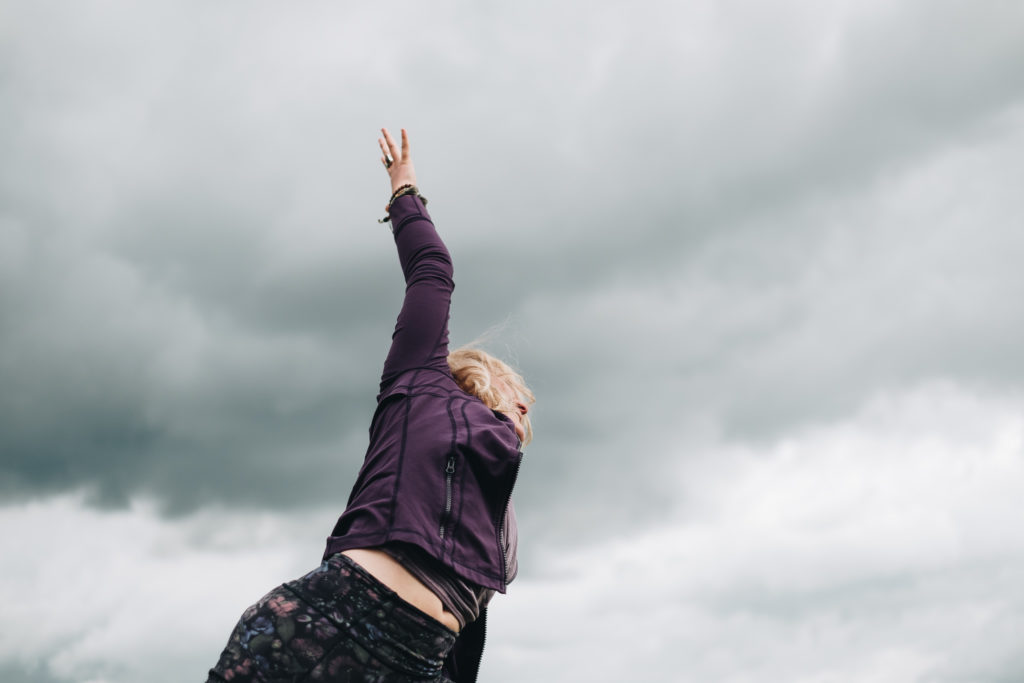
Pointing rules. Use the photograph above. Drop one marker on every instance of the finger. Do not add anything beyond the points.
(387, 159)
(392, 147)
(405, 144)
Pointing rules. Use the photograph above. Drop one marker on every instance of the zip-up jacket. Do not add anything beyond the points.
(441, 465)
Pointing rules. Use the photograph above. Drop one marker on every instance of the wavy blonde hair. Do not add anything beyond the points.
(474, 370)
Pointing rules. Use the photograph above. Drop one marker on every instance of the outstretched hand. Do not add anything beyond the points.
(400, 169)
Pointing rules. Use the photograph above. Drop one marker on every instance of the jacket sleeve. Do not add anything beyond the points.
(420, 339)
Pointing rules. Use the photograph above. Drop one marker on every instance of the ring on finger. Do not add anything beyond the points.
(388, 161)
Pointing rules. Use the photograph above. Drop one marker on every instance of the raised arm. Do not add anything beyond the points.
(421, 333)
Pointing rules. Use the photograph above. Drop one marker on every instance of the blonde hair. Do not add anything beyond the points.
(474, 369)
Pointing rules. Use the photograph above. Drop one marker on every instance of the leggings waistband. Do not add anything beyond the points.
(374, 615)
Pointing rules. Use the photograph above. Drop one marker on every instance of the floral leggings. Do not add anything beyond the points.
(337, 623)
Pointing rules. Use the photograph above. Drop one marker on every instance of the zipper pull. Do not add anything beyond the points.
(450, 469)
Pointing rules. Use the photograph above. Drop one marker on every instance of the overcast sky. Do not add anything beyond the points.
(759, 261)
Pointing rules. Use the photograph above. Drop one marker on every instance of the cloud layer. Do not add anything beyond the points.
(759, 264)
(874, 548)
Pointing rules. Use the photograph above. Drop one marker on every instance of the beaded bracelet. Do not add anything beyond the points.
(408, 188)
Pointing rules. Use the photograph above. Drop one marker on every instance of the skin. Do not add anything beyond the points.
(518, 409)
(401, 171)
(392, 574)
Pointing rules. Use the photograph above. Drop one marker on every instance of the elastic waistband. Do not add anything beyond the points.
(359, 604)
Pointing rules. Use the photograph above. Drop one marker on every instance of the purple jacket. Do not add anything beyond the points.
(441, 465)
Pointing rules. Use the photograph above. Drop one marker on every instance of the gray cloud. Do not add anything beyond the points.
(693, 225)
(18, 674)
(189, 231)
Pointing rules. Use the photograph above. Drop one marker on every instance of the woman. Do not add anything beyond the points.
(429, 534)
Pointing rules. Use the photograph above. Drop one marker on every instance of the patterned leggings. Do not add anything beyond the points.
(337, 623)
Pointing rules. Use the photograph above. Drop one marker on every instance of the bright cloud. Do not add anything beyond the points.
(126, 595)
(877, 548)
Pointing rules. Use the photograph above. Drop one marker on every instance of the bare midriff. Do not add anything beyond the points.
(392, 574)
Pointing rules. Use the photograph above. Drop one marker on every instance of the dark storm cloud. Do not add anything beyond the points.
(196, 298)
(20, 674)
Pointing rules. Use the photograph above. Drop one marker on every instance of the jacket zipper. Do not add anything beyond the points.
(449, 471)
